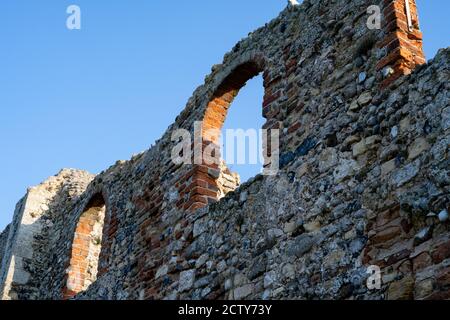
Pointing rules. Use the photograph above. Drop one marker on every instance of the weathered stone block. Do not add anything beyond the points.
(187, 279)
(417, 148)
(359, 148)
(388, 167)
(345, 169)
(364, 98)
(386, 234)
(423, 289)
(405, 174)
(402, 289)
(441, 252)
(446, 118)
(243, 292)
(301, 245)
(328, 159)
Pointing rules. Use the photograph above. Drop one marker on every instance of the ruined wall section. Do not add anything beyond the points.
(8, 266)
(317, 60)
(408, 187)
(26, 250)
(55, 226)
(319, 63)
(3, 240)
(56, 246)
(305, 233)
(311, 232)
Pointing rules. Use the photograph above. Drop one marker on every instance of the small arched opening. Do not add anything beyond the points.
(86, 247)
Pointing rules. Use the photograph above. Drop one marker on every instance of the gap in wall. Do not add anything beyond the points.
(245, 113)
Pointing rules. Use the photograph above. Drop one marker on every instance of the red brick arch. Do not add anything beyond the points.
(201, 186)
(217, 108)
(86, 247)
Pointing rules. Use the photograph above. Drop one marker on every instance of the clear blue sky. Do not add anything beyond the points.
(84, 99)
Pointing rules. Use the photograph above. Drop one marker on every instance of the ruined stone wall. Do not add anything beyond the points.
(306, 239)
(28, 257)
(364, 175)
(408, 194)
(365, 198)
(3, 241)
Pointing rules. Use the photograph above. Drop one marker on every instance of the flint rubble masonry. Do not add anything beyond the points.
(364, 180)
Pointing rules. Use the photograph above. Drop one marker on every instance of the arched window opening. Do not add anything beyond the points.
(210, 181)
(86, 247)
(241, 139)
